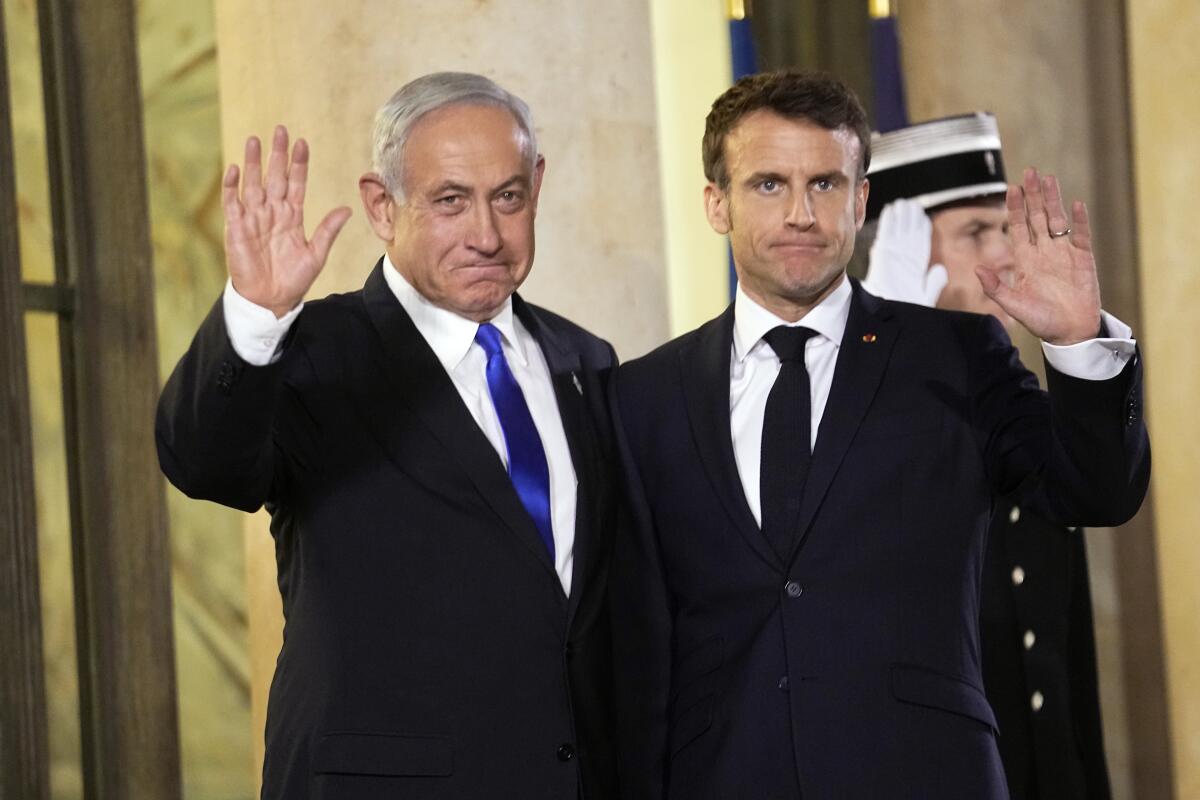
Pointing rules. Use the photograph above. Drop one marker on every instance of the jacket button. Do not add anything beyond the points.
(1018, 575)
(1014, 516)
(1036, 701)
(783, 683)
(566, 752)
(793, 589)
(1028, 640)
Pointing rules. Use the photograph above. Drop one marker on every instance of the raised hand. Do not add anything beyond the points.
(271, 262)
(899, 266)
(1051, 288)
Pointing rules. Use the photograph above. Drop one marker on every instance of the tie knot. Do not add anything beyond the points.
(488, 337)
(788, 342)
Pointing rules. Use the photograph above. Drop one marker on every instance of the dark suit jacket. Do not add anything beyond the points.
(852, 668)
(1037, 637)
(429, 648)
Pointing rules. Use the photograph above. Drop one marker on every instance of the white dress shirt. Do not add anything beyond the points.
(754, 366)
(255, 334)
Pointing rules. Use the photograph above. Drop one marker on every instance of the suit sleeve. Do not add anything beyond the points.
(216, 426)
(1081, 448)
(642, 634)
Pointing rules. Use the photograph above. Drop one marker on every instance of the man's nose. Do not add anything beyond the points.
(484, 234)
(800, 213)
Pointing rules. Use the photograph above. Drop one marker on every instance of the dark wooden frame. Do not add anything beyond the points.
(103, 296)
(24, 751)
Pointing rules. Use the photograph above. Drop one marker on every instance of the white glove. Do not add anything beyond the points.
(899, 266)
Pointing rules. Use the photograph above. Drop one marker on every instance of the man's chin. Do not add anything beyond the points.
(483, 300)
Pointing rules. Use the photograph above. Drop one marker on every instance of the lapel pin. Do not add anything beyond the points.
(578, 385)
(869, 337)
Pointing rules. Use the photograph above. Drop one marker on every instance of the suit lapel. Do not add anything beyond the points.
(705, 377)
(422, 385)
(862, 360)
(566, 375)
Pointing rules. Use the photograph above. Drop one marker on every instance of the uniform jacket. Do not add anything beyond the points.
(852, 668)
(1039, 657)
(429, 648)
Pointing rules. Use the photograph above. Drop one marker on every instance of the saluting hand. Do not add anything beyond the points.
(270, 261)
(1051, 288)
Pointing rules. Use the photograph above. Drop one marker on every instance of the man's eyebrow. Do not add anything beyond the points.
(759, 177)
(833, 176)
(451, 186)
(518, 180)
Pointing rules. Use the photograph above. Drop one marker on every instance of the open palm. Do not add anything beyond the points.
(271, 262)
(1052, 287)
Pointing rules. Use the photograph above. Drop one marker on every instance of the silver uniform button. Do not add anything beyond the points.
(1036, 701)
(1018, 575)
(1014, 516)
(1029, 639)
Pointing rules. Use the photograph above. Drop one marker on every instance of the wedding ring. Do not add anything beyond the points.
(1056, 234)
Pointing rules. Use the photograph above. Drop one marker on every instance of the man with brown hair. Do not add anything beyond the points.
(811, 474)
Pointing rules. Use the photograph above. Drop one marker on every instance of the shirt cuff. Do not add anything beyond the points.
(1095, 359)
(254, 331)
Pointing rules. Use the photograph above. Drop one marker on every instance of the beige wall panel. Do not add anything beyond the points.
(586, 70)
(1164, 65)
(1051, 72)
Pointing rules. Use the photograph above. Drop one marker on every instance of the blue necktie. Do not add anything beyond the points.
(526, 458)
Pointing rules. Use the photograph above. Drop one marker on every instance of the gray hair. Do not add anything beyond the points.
(395, 119)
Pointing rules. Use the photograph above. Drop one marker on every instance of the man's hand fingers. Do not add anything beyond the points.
(252, 191)
(277, 165)
(1018, 222)
(297, 178)
(327, 231)
(994, 286)
(229, 195)
(1035, 205)
(1056, 216)
(1081, 228)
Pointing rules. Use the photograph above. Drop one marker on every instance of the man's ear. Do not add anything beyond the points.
(716, 207)
(380, 206)
(860, 203)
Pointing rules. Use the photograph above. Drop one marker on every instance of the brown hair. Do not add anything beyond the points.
(815, 97)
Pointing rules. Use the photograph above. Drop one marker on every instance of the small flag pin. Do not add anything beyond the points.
(869, 337)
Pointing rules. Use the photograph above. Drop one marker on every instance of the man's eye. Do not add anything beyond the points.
(450, 200)
(823, 185)
(510, 198)
(769, 186)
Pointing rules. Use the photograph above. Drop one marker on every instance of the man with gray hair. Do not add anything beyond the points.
(435, 454)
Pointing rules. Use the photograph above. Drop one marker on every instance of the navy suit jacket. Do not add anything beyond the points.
(852, 667)
(429, 648)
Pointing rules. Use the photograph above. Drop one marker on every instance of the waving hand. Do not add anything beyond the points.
(271, 262)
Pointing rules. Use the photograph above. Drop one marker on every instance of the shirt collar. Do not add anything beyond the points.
(449, 335)
(751, 321)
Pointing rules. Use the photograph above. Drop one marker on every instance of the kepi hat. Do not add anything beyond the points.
(937, 162)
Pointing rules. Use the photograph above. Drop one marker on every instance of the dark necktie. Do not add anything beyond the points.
(526, 458)
(786, 452)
